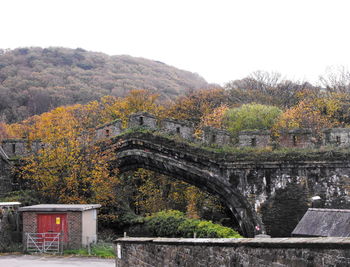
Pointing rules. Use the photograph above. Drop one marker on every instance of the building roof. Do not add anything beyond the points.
(9, 204)
(324, 222)
(60, 207)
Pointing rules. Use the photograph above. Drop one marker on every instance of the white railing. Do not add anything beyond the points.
(44, 242)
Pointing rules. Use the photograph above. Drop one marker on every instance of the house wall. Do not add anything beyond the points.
(89, 230)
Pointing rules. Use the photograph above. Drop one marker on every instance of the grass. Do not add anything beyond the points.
(101, 250)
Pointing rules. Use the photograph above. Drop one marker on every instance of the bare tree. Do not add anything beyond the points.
(336, 79)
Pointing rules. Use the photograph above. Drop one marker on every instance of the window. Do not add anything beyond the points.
(295, 140)
(213, 138)
(253, 141)
(178, 130)
(141, 121)
(338, 140)
(13, 148)
(107, 133)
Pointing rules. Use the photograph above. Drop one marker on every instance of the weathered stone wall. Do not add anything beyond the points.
(300, 138)
(142, 119)
(109, 130)
(19, 147)
(260, 252)
(216, 136)
(254, 138)
(5, 176)
(337, 137)
(181, 128)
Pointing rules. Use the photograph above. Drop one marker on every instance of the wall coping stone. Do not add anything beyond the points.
(181, 122)
(254, 132)
(289, 242)
(109, 123)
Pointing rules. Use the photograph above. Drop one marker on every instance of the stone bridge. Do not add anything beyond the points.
(265, 191)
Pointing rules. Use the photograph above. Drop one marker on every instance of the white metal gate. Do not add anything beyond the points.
(43, 242)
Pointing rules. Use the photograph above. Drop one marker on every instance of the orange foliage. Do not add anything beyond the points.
(69, 169)
(197, 104)
(314, 113)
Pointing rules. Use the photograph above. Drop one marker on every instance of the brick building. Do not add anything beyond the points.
(77, 223)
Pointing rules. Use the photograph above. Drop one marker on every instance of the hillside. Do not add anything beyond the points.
(35, 80)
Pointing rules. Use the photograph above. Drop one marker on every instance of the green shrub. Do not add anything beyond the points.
(165, 223)
(251, 117)
(173, 223)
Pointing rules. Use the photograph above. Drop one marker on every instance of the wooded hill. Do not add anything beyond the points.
(35, 80)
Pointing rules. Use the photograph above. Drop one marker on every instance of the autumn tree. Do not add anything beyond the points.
(112, 108)
(193, 106)
(69, 168)
(314, 113)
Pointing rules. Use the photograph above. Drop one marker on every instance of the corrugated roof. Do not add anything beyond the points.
(324, 222)
(60, 207)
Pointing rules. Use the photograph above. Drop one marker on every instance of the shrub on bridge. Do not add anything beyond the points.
(173, 223)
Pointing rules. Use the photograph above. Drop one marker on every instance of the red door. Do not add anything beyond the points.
(53, 223)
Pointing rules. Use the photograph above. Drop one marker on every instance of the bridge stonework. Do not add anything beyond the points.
(5, 173)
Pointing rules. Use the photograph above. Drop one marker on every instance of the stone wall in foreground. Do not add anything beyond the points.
(262, 252)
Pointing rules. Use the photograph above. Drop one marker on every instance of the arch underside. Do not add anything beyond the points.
(204, 179)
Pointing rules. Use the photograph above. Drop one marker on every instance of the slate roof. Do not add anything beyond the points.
(60, 207)
(324, 222)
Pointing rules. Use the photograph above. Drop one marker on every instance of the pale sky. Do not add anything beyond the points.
(220, 40)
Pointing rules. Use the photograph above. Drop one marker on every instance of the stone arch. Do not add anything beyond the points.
(133, 154)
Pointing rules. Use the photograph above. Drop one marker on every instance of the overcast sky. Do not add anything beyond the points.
(220, 40)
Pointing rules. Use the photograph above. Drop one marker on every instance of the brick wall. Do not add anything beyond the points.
(75, 229)
(282, 252)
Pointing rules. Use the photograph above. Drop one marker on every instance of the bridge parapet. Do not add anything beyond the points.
(184, 129)
(109, 130)
(142, 119)
(20, 147)
(298, 138)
